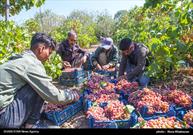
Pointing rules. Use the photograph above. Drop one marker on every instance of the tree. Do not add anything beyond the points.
(120, 14)
(32, 25)
(49, 21)
(17, 5)
(83, 16)
(104, 24)
(166, 28)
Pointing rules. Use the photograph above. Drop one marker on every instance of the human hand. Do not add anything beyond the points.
(76, 95)
(66, 64)
(106, 67)
(98, 67)
(83, 59)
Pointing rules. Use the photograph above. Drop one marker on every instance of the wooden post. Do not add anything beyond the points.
(7, 10)
(41, 17)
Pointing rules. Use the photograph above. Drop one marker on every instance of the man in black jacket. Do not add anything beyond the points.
(133, 61)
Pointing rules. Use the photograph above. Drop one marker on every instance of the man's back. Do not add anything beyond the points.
(12, 75)
(138, 54)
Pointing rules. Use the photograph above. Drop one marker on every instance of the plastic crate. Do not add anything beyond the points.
(181, 115)
(113, 123)
(73, 75)
(87, 103)
(115, 81)
(113, 74)
(124, 94)
(146, 116)
(72, 82)
(180, 111)
(59, 117)
(191, 126)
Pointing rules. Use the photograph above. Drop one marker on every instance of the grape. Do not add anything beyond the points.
(54, 107)
(114, 110)
(148, 98)
(163, 122)
(188, 117)
(178, 97)
(127, 87)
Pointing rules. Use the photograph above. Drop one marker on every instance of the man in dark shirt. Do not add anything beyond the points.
(72, 55)
(133, 61)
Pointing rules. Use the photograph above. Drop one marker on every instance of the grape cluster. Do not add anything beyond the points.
(163, 122)
(114, 110)
(54, 107)
(188, 117)
(178, 97)
(126, 87)
(150, 99)
(100, 97)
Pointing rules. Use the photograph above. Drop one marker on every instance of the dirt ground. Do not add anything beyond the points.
(77, 121)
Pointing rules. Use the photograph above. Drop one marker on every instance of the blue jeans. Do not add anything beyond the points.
(25, 108)
(142, 79)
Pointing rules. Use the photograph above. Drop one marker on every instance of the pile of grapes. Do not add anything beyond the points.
(97, 113)
(114, 110)
(188, 117)
(126, 87)
(163, 122)
(150, 99)
(100, 97)
(178, 97)
(99, 82)
(54, 107)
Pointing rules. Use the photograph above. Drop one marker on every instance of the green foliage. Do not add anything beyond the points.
(104, 25)
(48, 21)
(13, 39)
(32, 26)
(54, 65)
(17, 5)
(84, 29)
(165, 27)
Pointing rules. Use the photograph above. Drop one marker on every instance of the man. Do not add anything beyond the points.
(72, 55)
(133, 61)
(106, 55)
(24, 85)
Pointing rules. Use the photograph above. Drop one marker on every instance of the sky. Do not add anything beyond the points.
(65, 7)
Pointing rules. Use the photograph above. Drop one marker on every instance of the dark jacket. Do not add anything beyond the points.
(112, 55)
(137, 58)
(69, 54)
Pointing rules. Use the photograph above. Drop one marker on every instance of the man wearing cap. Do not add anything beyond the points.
(72, 55)
(133, 61)
(106, 55)
(24, 85)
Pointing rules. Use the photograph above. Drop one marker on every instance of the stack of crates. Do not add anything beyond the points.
(74, 78)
